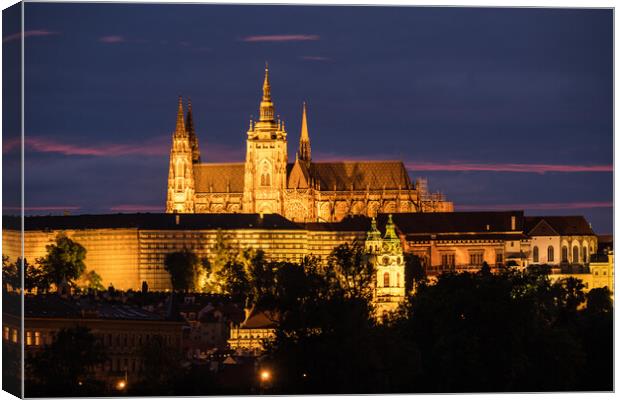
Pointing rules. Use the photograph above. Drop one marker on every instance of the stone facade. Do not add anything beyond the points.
(302, 191)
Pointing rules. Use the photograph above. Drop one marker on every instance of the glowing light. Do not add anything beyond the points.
(120, 385)
(265, 375)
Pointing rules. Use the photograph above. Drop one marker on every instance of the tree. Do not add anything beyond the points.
(349, 269)
(187, 271)
(10, 273)
(60, 367)
(64, 261)
(414, 271)
(160, 367)
(92, 280)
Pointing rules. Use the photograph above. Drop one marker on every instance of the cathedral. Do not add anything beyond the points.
(303, 191)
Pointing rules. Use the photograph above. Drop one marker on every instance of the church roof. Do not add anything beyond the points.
(361, 174)
(219, 178)
(557, 225)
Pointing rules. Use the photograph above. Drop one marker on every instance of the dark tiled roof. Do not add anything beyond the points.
(455, 222)
(374, 175)
(261, 320)
(54, 306)
(564, 226)
(219, 178)
(154, 221)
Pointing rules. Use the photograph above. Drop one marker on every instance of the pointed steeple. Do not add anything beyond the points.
(180, 128)
(304, 153)
(390, 230)
(266, 105)
(191, 131)
(373, 233)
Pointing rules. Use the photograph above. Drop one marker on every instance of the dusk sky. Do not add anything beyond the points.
(498, 108)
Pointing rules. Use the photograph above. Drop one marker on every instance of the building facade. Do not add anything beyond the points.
(303, 191)
(127, 250)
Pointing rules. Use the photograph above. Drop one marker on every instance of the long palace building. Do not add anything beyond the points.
(306, 190)
(129, 249)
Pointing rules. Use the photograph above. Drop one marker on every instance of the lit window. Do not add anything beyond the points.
(6, 333)
(535, 254)
(475, 258)
(550, 254)
(28, 338)
(14, 336)
(564, 254)
(386, 279)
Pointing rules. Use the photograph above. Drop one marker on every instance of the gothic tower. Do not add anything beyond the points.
(191, 131)
(180, 198)
(389, 261)
(266, 159)
(303, 153)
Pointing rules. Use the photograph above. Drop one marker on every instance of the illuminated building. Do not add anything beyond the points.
(122, 329)
(129, 249)
(248, 337)
(266, 182)
(389, 262)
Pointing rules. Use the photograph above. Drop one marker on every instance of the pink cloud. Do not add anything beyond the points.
(136, 208)
(535, 206)
(18, 35)
(279, 38)
(156, 147)
(506, 167)
(315, 58)
(112, 39)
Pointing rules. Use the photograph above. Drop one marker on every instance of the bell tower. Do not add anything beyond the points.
(266, 159)
(180, 197)
(389, 261)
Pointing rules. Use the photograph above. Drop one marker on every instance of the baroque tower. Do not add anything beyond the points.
(266, 159)
(180, 197)
(389, 261)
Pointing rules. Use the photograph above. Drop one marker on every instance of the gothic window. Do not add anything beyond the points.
(550, 254)
(386, 279)
(575, 254)
(265, 177)
(397, 279)
(535, 254)
(564, 254)
(585, 254)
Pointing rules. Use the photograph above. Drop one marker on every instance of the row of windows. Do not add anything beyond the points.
(475, 258)
(551, 254)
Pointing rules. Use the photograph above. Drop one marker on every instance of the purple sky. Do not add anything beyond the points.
(498, 108)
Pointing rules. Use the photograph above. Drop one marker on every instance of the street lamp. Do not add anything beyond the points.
(265, 375)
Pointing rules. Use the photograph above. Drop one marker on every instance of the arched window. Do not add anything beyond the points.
(575, 254)
(585, 254)
(397, 279)
(550, 254)
(386, 279)
(564, 254)
(265, 180)
(535, 254)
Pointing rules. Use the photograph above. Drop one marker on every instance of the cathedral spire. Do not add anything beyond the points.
(304, 139)
(266, 104)
(180, 128)
(191, 131)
